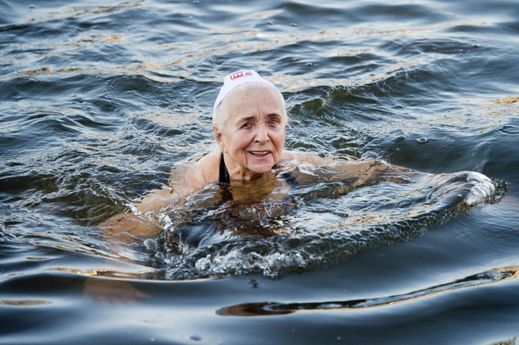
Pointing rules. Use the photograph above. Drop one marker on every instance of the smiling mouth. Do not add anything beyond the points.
(259, 153)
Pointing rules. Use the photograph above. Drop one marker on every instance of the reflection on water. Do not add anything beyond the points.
(273, 308)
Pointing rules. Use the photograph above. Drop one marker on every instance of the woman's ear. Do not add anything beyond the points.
(218, 136)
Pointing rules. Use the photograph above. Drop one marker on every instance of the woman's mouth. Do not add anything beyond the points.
(259, 153)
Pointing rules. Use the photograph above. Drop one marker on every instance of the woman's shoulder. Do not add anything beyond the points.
(302, 157)
(315, 158)
(195, 174)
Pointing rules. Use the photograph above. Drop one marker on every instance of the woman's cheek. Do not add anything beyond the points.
(240, 142)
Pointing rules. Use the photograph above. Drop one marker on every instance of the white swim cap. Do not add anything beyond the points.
(236, 79)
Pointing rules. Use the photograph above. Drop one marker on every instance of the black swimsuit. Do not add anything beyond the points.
(224, 174)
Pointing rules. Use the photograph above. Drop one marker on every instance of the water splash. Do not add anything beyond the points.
(312, 225)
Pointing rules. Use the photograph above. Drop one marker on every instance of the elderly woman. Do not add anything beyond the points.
(249, 126)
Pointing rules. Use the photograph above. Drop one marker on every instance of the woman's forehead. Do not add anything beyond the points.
(249, 97)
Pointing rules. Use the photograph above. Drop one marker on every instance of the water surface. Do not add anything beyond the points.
(98, 102)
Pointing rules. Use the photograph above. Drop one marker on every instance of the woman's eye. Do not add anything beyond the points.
(246, 125)
(273, 123)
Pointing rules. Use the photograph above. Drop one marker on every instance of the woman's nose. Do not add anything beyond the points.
(261, 134)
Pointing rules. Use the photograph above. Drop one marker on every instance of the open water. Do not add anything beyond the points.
(99, 101)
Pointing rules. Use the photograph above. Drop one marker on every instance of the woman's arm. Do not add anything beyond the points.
(141, 222)
(311, 168)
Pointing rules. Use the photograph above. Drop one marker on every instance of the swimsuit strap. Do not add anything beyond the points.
(224, 179)
(288, 177)
(224, 174)
(291, 180)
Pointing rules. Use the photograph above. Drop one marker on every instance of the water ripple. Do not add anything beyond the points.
(273, 308)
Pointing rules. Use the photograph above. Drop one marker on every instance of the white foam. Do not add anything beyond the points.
(482, 189)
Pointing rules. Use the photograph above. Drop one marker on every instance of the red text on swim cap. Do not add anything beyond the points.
(239, 74)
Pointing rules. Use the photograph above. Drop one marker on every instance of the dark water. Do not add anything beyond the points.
(98, 102)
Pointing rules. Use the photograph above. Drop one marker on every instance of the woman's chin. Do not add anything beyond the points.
(260, 165)
(260, 169)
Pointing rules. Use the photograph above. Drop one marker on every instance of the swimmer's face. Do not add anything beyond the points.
(252, 134)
